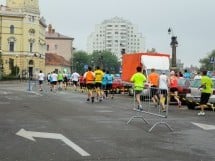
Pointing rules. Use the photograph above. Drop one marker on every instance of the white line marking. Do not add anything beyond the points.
(31, 134)
(107, 111)
(204, 126)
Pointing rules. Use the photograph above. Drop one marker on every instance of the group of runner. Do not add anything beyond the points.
(99, 81)
(159, 84)
(57, 81)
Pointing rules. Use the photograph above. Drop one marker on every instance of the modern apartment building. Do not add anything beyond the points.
(22, 37)
(116, 35)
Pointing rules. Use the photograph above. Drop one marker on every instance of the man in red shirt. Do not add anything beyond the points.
(173, 83)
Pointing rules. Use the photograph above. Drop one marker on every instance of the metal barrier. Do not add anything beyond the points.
(152, 109)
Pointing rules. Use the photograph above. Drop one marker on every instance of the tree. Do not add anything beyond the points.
(206, 62)
(105, 60)
(79, 60)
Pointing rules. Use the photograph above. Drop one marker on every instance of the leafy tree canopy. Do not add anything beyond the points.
(79, 60)
(105, 60)
(206, 62)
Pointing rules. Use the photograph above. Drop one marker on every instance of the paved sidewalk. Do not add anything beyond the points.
(15, 85)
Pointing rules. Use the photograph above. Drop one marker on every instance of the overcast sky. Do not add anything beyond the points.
(192, 22)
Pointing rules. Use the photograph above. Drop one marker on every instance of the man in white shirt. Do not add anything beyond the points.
(75, 77)
(41, 77)
(163, 87)
(54, 80)
(197, 75)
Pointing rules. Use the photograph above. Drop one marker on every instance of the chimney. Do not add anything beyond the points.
(49, 28)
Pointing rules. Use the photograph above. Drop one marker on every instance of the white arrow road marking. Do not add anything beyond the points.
(204, 126)
(31, 134)
(104, 111)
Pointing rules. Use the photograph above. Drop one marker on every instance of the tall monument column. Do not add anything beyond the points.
(174, 44)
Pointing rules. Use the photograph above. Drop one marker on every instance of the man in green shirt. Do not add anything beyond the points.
(207, 89)
(138, 79)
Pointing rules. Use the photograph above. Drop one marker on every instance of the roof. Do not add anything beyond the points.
(56, 35)
(57, 60)
(51, 34)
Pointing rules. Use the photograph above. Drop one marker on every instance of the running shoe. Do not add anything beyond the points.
(92, 99)
(201, 113)
(179, 104)
(140, 107)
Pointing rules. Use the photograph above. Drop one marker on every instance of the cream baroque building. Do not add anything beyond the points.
(22, 37)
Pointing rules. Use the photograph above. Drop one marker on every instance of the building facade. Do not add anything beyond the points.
(60, 45)
(57, 63)
(22, 38)
(116, 35)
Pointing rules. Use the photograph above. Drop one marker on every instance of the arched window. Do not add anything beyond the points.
(31, 47)
(31, 62)
(31, 43)
(11, 42)
(11, 46)
(11, 29)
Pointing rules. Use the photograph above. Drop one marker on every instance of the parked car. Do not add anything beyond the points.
(117, 85)
(193, 98)
(183, 89)
(120, 86)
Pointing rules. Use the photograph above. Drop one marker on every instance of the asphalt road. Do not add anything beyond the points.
(62, 126)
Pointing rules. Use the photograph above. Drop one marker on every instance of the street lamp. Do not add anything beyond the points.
(1, 70)
(101, 61)
(16, 65)
(174, 44)
(29, 81)
(92, 64)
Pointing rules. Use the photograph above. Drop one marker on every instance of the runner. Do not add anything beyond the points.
(104, 86)
(41, 77)
(82, 83)
(75, 77)
(109, 82)
(138, 79)
(53, 81)
(60, 80)
(65, 80)
(89, 76)
(173, 83)
(163, 87)
(98, 82)
(153, 79)
(48, 78)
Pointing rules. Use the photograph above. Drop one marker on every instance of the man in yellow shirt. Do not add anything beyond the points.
(138, 79)
(207, 89)
(98, 82)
